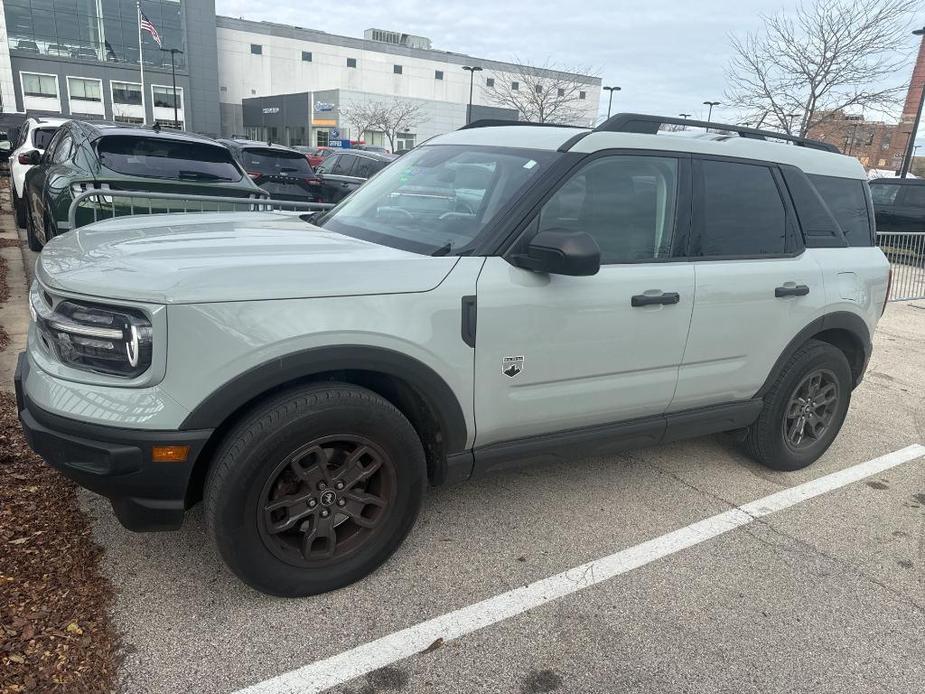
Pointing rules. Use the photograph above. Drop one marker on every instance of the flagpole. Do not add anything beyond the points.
(141, 66)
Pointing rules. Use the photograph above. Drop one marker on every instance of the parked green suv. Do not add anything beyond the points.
(83, 156)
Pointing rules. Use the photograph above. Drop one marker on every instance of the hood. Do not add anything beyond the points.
(207, 258)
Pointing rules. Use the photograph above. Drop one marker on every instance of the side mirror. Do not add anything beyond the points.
(30, 158)
(561, 252)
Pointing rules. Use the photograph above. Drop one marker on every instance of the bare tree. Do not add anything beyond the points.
(808, 67)
(547, 94)
(398, 116)
(363, 116)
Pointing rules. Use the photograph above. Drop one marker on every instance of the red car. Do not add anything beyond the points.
(315, 155)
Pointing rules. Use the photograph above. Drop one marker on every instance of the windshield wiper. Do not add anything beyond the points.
(444, 249)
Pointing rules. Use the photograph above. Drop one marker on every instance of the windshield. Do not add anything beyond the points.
(166, 158)
(274, 161)
(437, 199)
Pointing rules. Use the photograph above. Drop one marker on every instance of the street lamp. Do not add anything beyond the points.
(907, 158)
(685, 116)
(471, 69)
(610, 100)
(790, 117)
(173, 76)
(711, 104)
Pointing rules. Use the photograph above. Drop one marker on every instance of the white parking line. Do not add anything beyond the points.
(323, 674)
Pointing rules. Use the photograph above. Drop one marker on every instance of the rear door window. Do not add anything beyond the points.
(344, 165)
(847, 201)
(741, 212)
(41, 137)
(276, 162)
(162, 158)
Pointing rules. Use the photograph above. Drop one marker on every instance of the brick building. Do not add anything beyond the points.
(876, 144)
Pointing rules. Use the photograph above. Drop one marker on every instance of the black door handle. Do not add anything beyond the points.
(650, 299)
(798, 290)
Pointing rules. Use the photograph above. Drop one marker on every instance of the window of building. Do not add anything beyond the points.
(515, 86)
(438, 74)
(405, 141)
(164, 97)
(35, 84)
(627, 203)
(351, 62)
(256, 49)
(322, 138)
(490, 82)
(846, 199)
(128, 93)
(561, 91)
(396, 69)
(223, 89)
(128, 119)
(539, 89)
(82, 89)
(168, 123)
(582, 95)
(306, 56)
(742, 212)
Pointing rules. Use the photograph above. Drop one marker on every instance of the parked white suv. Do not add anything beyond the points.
(34, 134)
(498, 295)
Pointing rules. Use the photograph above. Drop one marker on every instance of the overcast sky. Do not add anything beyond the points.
(668, 57)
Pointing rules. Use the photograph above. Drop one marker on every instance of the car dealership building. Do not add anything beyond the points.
(80, 58)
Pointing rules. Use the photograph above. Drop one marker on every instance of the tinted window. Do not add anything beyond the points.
(62, 149)
(41, 137)
(342, 165)
(884, 193)
(914, 196)
(742, 212)
(626, 203)
(269, 161)
(367, 168)
(847, 200)
(161, 158)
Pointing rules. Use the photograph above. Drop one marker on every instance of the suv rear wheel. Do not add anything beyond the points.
(804, 409)
(315, 489)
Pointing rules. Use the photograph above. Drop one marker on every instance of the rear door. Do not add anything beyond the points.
(338, 178)
(555, 353)
(757, 287)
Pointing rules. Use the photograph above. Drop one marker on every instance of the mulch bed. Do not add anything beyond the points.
(55, 634)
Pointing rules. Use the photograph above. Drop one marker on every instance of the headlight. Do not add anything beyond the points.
(106, 339)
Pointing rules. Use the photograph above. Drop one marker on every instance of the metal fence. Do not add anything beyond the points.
(96, 204)
(906, 253)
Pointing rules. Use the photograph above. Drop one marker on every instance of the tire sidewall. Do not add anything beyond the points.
(235, 524)
(826, 357)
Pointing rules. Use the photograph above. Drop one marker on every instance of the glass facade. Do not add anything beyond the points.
(100, 30)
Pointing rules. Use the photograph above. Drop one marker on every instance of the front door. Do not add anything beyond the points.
(555, 353)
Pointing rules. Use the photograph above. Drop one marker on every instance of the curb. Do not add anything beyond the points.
(14, 313)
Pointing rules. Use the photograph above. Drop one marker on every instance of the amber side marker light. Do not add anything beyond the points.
(169, 454)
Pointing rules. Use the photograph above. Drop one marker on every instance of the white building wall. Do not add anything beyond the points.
(7, 90)
(279, 69)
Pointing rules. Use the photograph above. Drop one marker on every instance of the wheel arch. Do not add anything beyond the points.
(842, 329)
(421, 394)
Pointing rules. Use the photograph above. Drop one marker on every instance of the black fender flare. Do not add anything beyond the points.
(228, 398)
(841, 320)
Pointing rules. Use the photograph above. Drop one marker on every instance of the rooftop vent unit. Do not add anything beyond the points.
(397, 38)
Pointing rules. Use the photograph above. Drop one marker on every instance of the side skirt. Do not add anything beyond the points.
(606, 439)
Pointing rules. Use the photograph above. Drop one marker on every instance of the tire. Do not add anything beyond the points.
(274, 455)
(776, 439)
(19, 207)
(34, 243)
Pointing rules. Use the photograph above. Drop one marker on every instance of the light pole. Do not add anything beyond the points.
(790, 117)
(610, 100)
(907, 158)
(173, 76)
(471, 69)
(711, 104)
(685, 116)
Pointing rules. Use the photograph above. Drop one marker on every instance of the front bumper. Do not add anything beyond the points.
(113, 461)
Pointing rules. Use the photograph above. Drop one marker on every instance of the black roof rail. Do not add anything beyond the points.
(495, 122)
(642, 123)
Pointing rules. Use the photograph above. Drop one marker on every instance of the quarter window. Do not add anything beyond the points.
(884, 193)
(742, 212)
(627, 203)
(62, 149)
(847, 200)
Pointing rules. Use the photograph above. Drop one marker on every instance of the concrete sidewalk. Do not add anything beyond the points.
(14, 312)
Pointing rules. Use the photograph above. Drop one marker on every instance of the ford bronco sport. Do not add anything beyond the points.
(501, 294)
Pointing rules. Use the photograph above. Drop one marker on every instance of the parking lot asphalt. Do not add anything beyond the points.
(825, 596)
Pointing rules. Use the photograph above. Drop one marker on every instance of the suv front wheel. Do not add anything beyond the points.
(804, 409)
(315, 489)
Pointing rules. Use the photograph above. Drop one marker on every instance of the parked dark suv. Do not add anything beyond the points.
(899, 203)
(281, 171)
(83, 156)
(344, 172)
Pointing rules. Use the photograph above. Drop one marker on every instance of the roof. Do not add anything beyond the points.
(913, 181)
(101, 128)
(716, 142)
(241, 142)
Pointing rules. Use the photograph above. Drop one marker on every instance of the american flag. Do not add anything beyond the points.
(147, 25)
